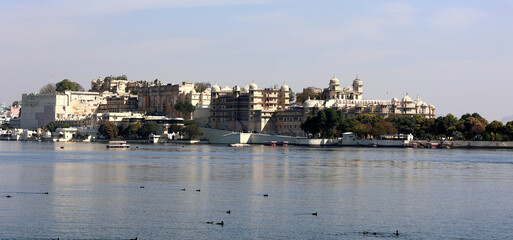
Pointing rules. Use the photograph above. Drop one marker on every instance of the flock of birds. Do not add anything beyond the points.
(230, 211)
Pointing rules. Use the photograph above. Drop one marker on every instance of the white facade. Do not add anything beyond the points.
(38, 109)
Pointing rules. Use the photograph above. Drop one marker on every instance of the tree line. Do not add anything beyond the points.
(329, 123)
(139, 130)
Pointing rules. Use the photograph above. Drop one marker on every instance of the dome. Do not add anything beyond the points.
(395, 100)
(236, 88)
(432, 106)
(216, 88)
(334, 81)
(418, 101)
(406, 99)
(309, 103)
(245, 88)
(284, 87)
(424, 104)
(357, 81)
(253, 86)
(226, 88)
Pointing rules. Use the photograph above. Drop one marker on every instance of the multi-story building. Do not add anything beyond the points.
(350, 101)
(248, 109)
(162, 98)
(41, 108)
(268, 111)
(119, 103)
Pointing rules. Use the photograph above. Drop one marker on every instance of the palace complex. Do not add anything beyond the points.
(246, 109)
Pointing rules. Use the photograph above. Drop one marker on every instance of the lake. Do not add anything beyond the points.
(97, 193)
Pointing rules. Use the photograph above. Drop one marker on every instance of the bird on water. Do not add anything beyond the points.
(315, 213)
(212, 222)
(198, 190)
(266, 195)
(220, 223)
(229, 211)
(397, 232)
(183, 189)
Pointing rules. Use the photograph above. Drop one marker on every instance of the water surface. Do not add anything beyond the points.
(95, 193)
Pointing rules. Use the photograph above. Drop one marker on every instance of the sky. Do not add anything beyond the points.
(456, 55)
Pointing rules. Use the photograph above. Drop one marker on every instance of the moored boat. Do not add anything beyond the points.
(238, 145)
(118, 144)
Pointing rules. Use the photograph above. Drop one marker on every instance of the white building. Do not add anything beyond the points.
(39, 109)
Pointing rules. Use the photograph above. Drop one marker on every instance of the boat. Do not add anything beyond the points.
(238, 145)
(284, 143)
(118, 144)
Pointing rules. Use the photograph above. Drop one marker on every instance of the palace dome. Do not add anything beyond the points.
(407, 99)
(253, 86)
(309, 103)
(216, 88)
(334, 81)
(284, 87)
(357, 81)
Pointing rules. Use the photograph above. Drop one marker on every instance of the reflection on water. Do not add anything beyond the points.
(96, 193)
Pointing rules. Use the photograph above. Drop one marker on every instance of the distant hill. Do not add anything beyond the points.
(507, 119)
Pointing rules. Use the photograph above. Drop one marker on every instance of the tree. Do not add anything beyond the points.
(199, 87)
(131, 130)
(311, 125)
(120, 77)
(470, 127)
(5, 126)
(309, 92)
(362, 129)
(51, 126)
(382, 128)
(109, 130)
(192, 131)
(495, 129)
(48, 88)
(403, 124)
(185, 108)
(66, 84)
(292, 95)
(444, 125)
(175, 128)
(328, 120)
(148, 128)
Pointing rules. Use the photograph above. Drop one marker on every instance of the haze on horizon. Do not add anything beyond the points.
(456, 55)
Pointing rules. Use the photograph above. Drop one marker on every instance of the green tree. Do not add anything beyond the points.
(495, 129)
(51, 126)
(48, 88)
(292, 95)
(362, 129)
(311, 125)
(201, 86)
(186, 108)
(109, 130)
(346, 125)
(192, 131)
(403, 124)
(175, 128)
(444, 125)
(148, 128)
(130, 132)
(382, 128)
(66, 84)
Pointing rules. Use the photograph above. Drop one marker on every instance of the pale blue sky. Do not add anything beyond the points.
(457, 55)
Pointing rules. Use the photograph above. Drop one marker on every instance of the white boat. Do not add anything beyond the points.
(118, 144)
(238, 145)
